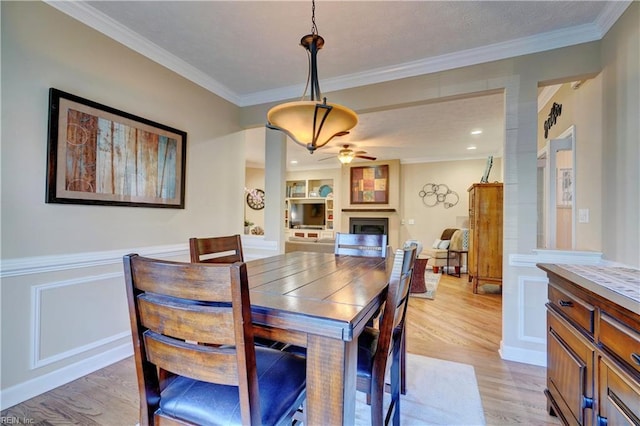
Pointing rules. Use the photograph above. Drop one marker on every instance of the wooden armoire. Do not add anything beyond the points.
(485, 234)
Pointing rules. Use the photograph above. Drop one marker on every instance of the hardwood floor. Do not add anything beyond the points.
(464, 327)
(457, 326)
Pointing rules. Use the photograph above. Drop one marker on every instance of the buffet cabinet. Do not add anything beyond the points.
(485, 234)
(593, 346)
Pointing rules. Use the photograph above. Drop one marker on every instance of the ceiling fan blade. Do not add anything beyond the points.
(327, 158)
(366, 157)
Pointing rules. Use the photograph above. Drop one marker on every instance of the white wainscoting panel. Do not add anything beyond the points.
(77, 315)
(530, 326)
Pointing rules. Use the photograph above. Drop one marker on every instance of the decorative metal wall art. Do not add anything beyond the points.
(554, 113)
(433, 194)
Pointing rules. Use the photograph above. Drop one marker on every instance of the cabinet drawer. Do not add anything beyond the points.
(621, 340)
(570, 366)
(619, 399)
(576, 310)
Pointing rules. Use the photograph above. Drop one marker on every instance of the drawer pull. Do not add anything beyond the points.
(602, 421)
(565, 303)
(635, 358)
(587, 402)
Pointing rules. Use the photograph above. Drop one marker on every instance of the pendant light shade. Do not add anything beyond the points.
(312, 123)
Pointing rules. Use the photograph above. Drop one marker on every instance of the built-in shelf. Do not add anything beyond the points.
(369, 210)
(310, 191)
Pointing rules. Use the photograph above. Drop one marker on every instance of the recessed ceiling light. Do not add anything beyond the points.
(294, 161)
(471, 147)
(476, 132)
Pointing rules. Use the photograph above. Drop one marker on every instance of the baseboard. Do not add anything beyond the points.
(524, 356)
(32, 388)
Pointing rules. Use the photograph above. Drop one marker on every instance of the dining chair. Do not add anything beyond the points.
(194, 351)
(378, 346)
(403, 343)
(226, 249)
(371, 245)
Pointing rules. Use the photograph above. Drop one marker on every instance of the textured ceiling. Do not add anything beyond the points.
(248, 52)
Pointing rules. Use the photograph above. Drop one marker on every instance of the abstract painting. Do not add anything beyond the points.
(100, 155)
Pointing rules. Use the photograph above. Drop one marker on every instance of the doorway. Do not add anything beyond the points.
(556, 193)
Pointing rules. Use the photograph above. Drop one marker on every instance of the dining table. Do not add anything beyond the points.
(322, 302)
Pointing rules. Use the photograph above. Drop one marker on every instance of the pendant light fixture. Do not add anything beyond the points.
(312, 123)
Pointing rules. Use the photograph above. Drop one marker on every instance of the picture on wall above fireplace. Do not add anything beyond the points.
(370, 185)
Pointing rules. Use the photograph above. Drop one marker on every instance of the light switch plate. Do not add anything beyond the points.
(583, 215)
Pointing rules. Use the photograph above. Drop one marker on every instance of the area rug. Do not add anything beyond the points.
(438, 393)
(431, 281)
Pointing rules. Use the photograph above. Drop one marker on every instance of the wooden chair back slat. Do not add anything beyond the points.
(187, 321)
(226, 249)
(369, 245)
(205, 282)
(206, 363)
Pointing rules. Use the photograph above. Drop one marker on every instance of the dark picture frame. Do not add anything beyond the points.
(103, 156)
(370, 184)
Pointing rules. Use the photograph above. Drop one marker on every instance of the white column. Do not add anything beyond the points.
(274, 179)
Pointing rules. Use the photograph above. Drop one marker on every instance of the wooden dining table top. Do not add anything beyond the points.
(319, 293)
(323, 302)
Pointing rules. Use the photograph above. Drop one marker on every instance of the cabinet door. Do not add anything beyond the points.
(489, 231)
(473, 251)
(618, 400)
(570, 362)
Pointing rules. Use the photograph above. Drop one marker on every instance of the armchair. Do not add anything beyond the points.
(451, 238)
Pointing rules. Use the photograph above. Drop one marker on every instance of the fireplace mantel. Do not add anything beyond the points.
(369, 210)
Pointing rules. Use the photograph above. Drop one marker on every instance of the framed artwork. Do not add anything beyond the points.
(370, 185)
(564, 189)
(100, 155)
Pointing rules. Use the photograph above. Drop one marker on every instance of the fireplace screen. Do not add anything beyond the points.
(368, 225)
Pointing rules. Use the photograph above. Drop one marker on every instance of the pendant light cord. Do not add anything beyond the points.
(314, 28)
(314, 31)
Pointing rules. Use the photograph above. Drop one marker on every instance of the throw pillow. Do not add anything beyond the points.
(436, 243)
(444, 244)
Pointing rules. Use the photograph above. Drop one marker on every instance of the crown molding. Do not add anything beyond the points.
(441, 159)
(611, 13)
(543, 42)
(97, 20)
(494, 52)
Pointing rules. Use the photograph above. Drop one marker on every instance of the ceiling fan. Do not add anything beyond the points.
(346, 155)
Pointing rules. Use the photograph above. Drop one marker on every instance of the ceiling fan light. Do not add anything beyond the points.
(346, 157)
(311, 124)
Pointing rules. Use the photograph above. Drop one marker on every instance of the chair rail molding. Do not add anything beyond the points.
(44, 264)
(555, 256)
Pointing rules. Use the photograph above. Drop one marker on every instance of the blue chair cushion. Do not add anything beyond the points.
(367, 343)
(281, 382)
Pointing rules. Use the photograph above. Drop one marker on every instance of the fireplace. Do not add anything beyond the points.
(369, 225)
